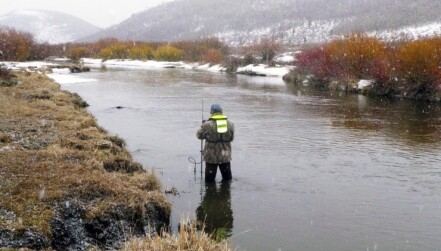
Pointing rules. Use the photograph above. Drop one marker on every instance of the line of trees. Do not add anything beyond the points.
(412, 65)
(21, 46)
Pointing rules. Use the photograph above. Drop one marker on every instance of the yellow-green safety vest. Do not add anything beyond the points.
(221, 123)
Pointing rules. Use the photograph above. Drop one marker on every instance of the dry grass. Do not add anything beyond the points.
(51, 150)
(189, 238)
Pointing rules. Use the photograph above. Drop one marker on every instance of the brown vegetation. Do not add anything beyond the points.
(189, 238)
(53, 152)
(411, 69)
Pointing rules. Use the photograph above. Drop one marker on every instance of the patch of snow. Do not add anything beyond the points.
(92, 61)
(33, 13)
(127, 63)
(22, 65)
(289, 32)
(61, 59)
(364, 83)
(286, 57)
(61, 70)
(266, 70)
(68, 78)
(409, 32)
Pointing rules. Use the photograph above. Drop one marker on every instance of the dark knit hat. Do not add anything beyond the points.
(215, 108)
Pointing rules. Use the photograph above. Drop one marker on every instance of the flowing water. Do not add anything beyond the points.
(312, 171)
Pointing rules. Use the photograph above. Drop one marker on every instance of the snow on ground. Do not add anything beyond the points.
(67, 78)
(64, 76)
(126, 63)
(364, 83)
(265, 70)
(26, 65)
(409, 32)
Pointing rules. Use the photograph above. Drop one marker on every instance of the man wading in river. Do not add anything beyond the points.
(218, 133)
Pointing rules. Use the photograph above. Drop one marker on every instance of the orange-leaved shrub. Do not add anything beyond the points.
(213, 56)
(15, 45)
(419, 63)
(357, 56)
(204, 50)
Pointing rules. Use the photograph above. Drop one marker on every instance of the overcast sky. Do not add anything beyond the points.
(102, 13)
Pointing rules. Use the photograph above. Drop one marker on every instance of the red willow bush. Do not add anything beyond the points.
(414, 64)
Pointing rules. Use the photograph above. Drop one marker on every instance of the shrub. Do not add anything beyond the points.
(356, 55)
(419, 62)
(317, 61)
(96, 48)
(202, 50)
(115, 51)
(76, 53)
(168, 53)
(213, 56)
(267, 49)
(45, 50)
(15, 45)
(141, 52)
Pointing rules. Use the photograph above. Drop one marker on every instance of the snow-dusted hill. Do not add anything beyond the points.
(290, 21)
(49, 26)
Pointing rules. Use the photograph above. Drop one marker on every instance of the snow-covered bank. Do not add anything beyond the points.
(264, 70)
(65, 77)
(26, 65)
(261, 69)
(127, 63)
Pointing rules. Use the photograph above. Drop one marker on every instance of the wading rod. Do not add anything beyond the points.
(202, 140)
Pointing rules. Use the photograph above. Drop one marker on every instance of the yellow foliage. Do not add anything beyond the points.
(115, 51)
(141, 52)
(168, 53)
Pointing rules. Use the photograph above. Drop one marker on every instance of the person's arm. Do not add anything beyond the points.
(202, 131)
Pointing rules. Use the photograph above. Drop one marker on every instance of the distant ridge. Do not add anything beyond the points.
(290, 21)
(49, 26)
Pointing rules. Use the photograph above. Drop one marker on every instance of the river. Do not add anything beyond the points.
(311, 170)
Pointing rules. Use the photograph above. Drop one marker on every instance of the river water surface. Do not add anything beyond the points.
(312, 171)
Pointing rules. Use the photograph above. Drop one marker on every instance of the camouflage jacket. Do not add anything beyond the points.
(217, 148)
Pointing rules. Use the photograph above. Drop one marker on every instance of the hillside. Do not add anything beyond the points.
(291, 21)
(48, 26)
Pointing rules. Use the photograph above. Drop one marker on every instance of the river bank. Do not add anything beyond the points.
(370, 87)
(65, 183)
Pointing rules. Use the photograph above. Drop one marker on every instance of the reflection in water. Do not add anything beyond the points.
(407, 121)
(215, 210)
